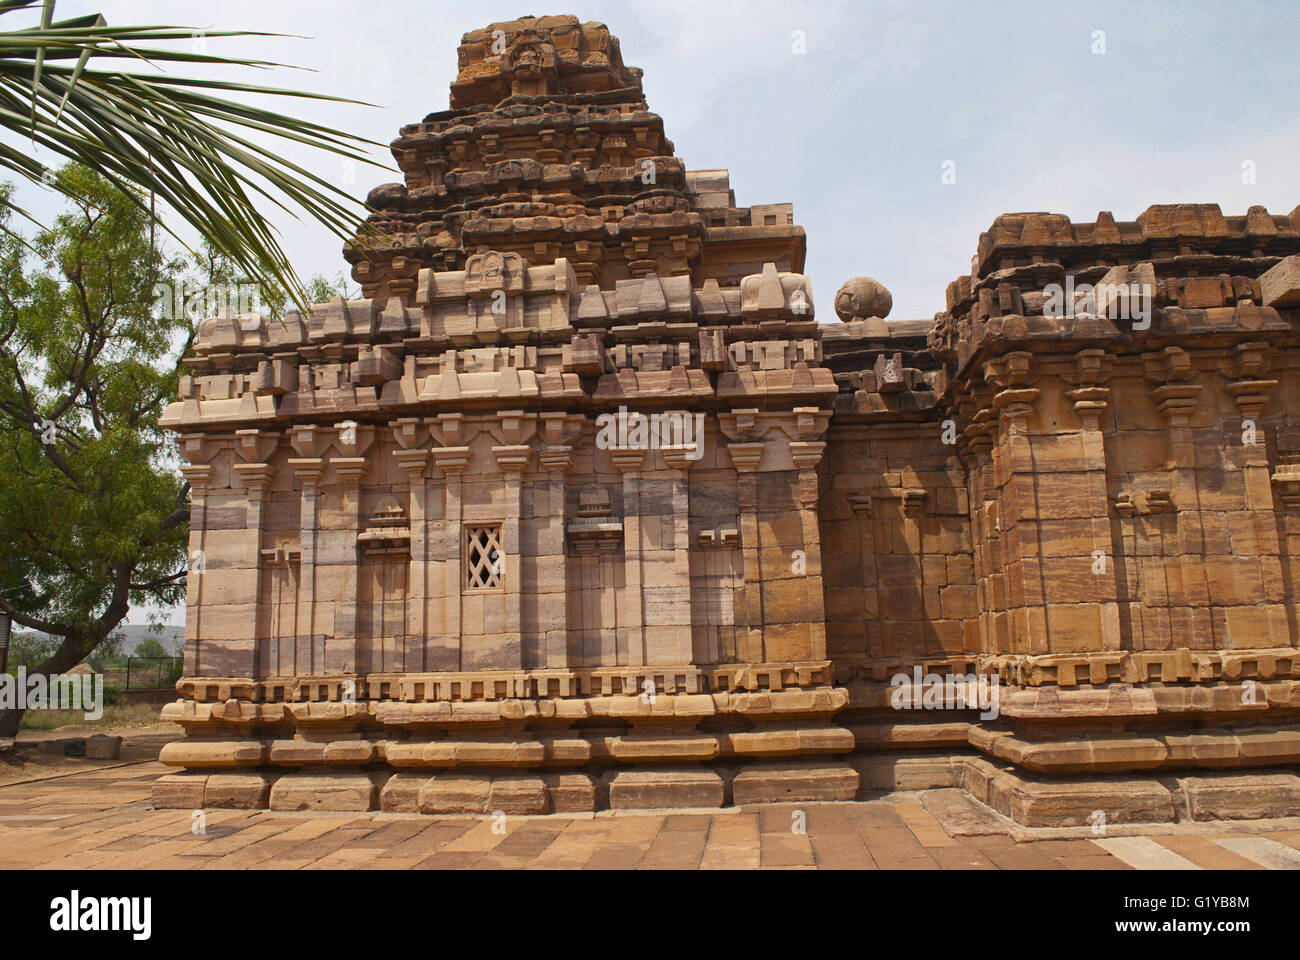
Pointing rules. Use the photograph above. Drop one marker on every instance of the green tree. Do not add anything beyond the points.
(93, 517)
(215, 282)
(150, 647)
(28, 650)
(156, 133)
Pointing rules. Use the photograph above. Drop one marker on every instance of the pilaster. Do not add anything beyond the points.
(745, 458)
(198, 474)
(308, 469)
(413, 460)
(256, 474)
(1187, 620)
(629, 463)
(448, 653)
(1018, 514)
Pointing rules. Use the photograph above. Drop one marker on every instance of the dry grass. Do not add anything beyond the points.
(122, 715)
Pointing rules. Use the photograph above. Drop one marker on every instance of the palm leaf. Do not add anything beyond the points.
(174, 137)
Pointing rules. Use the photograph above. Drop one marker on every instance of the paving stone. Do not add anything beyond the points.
(101, 830)
(1205, 853)
(1145, 853)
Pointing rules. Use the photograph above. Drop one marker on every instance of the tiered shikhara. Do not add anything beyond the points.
(422, 584)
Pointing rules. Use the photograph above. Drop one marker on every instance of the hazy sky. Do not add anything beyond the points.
(856, 130)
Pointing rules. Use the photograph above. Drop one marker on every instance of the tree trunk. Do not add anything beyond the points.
(74, 649)
(10, 720)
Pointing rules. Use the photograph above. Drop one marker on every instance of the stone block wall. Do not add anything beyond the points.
(428, 574)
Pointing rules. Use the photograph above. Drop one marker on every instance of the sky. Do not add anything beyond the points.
(1070, 108)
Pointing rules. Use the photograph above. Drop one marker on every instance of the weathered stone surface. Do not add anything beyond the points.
(778, 783)
(1281, 284)
(179, 791)
(213, 753)
(1068, 803)
(519, 796)
(325, 792)
(1075, 804)
(665, 789)
(571, 792)
(1229, 797)
(863, 297)
(960, 816)
(401, 793)
(453, 793)
(240, 791)
(580, 488)
(889, 772)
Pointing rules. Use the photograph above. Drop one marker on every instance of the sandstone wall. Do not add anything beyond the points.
(424, 579)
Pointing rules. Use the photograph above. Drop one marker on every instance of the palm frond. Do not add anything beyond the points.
(171, 136)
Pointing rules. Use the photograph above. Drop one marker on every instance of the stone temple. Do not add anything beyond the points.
(581, 508)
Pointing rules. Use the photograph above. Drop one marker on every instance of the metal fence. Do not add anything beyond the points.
(141, 673)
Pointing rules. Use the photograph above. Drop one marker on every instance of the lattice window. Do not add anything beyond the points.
(485, 563)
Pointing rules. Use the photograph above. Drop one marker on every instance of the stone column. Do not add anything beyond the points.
(976, 409)
(446, 654)
(1018, 513)
(1022, 557)
(551, 562)
(1251, 391)
(308, 467)
(628, 463)
(745, 457)
(594, 599)
(308, 659)
(1090, 397)
(1187, 605)
(974, 456)
(413, 461)
(198, 475)
(338, 550)
(860, 504)
(223, 566)
(513, 462)
(256, 476)
(807, 455)
(672, 603)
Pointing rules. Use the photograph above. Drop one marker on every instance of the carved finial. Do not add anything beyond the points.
(863, 297)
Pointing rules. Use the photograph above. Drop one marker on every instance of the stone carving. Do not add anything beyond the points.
(433, 583)
(863, 297)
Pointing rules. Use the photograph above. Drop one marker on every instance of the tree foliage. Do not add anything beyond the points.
(93, 516)
(150, 647)
(93, 513)
(156, 133)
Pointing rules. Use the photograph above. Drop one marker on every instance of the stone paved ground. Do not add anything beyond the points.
(102, 818)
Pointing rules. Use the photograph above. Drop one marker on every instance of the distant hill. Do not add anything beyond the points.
(31, 646)
(172, 638)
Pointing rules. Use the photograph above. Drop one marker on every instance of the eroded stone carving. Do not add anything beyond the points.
(431, 585)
